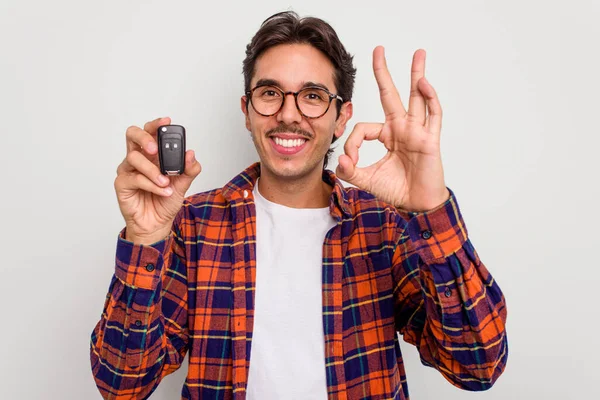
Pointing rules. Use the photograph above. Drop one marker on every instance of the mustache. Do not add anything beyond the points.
(289, 129)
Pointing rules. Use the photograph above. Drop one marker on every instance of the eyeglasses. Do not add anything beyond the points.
(312, 102)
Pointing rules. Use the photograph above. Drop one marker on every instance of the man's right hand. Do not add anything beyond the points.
(149, 200)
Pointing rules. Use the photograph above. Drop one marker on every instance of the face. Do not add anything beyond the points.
(290, 145)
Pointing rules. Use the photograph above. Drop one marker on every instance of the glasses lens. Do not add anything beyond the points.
(313, 102)
(267, 99)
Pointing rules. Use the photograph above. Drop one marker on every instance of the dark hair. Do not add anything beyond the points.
(287, 28)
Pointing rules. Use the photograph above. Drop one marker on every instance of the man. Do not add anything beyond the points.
(283, 284)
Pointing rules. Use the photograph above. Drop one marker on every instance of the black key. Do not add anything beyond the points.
(171, 149)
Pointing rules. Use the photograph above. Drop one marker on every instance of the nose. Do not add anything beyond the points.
(289, 113)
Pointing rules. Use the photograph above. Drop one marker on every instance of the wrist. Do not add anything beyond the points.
(431, 205)
(442, 199)
(146, 239)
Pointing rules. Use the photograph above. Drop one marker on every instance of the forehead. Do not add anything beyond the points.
(294, 64)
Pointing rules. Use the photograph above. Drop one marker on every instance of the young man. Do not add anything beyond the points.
(283, 284)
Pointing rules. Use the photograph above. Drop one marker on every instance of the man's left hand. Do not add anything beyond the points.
(410, 176)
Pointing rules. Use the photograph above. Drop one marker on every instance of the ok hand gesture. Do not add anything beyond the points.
(410, 176)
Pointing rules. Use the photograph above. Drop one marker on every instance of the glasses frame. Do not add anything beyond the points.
(332, 97)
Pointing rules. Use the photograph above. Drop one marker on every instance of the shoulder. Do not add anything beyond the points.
(208, 205)
(207, 198)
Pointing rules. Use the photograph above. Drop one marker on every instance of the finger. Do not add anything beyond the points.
(181, 183)
(124, 167)
(434, 120)
(138, 181)
(362, 131)
(390, 98)
(140, 139)
(152, 126)
(416, 102)
(348, 171)
(139, 163)
(346, 168)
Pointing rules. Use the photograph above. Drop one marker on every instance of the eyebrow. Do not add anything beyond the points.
(273, 82)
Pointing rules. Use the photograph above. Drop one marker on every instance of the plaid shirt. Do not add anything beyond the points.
(384, 271)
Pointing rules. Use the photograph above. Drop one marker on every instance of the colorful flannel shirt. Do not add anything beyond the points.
(384, 271)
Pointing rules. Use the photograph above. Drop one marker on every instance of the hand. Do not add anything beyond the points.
(149, 200)
(410, 176)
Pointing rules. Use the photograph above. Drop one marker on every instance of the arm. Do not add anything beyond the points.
(446, 302)
(142, 335)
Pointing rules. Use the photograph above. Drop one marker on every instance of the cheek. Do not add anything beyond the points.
(322, 128)
(326, 131)
(256, 123)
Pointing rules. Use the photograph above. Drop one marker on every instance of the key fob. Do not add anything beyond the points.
(171, 149)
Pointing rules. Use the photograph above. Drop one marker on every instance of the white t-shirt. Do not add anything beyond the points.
(287, 359)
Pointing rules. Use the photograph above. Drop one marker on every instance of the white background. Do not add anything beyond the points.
(518, 82)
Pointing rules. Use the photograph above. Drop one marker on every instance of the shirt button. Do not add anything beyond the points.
(245, 194)
(138, 323)
(448, 292)
(426, 234)
(150, 267)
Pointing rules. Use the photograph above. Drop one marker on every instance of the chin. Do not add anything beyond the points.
(287, 170)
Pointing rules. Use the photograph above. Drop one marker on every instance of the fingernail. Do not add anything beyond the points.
(163, 180)
(168, 191)
(152, 147)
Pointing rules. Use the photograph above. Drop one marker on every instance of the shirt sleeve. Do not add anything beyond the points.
(447, 303)
(142, 335)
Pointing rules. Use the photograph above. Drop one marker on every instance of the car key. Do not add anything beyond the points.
(171, 149)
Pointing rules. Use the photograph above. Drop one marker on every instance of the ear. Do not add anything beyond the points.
(343, 118)
(244, 106)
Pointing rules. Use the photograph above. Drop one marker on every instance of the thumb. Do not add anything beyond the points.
(347, 171)
(192, 168)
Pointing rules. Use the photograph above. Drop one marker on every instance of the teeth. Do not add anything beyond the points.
(289, 142)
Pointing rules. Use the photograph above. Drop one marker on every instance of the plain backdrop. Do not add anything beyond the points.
(518, 82)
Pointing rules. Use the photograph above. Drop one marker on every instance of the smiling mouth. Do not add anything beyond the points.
(289, 143)
(288, 146)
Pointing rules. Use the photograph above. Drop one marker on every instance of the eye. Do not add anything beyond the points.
(314, 95)
(268, 91)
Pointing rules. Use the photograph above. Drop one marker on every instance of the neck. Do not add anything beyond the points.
(309, 191)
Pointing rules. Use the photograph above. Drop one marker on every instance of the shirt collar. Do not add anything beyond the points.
(238, 188)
